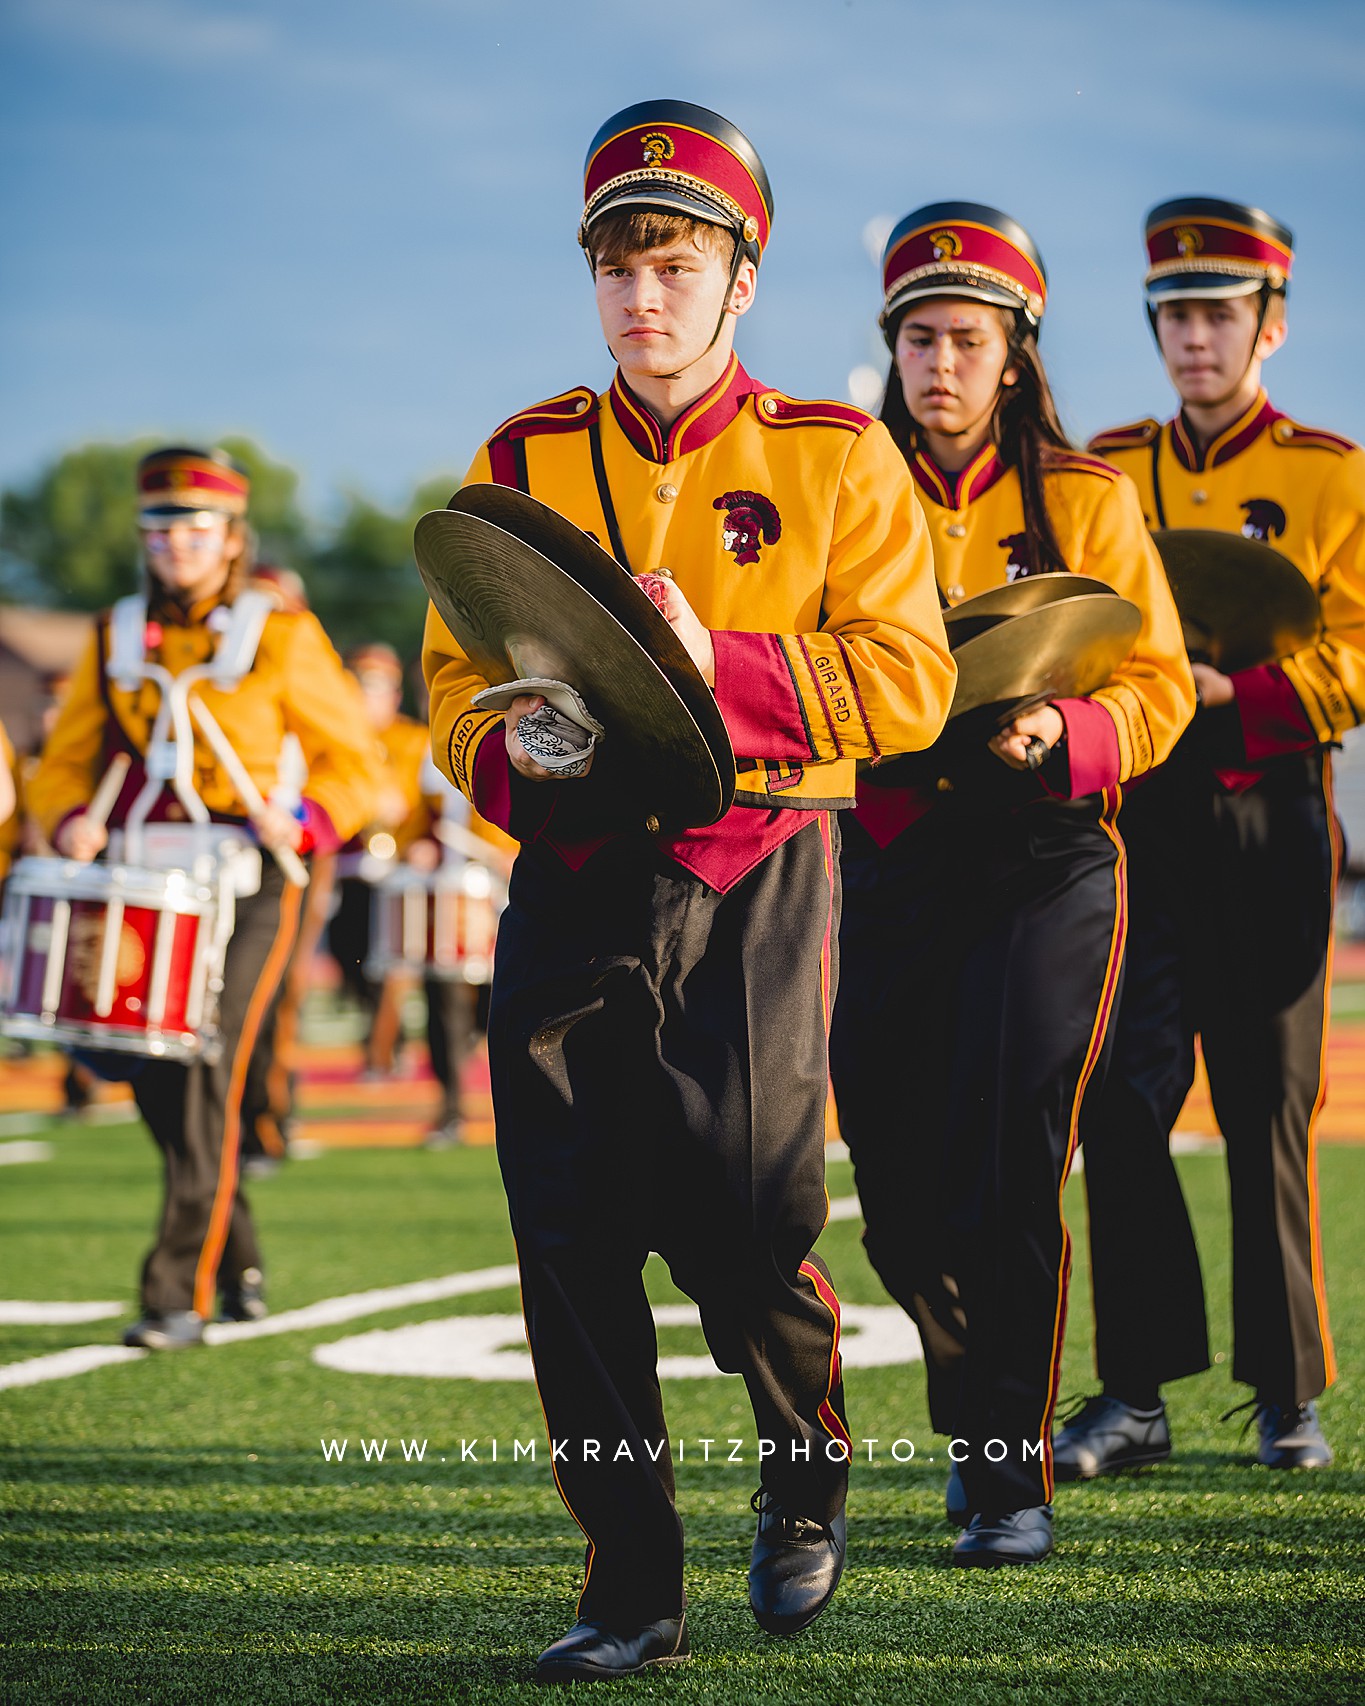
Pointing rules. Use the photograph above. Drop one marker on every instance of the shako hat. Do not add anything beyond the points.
(182, 480)
(1199, 246)
(679, 158)
(962, 248)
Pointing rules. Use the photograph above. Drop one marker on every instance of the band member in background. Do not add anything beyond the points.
(268, 1098)
(658, 1025)
(1234, 860)
(401, 746)
(984, 913)
(197, 543)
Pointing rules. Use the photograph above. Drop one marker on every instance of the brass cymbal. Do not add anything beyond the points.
(1026, 593)
(518, 613)
(1241, 602)
(1059, 650)
(581, 557)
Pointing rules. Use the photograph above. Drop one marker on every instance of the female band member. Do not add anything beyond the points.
(197, 545)
(984, 911)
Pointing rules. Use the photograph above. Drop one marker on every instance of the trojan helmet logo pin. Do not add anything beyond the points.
(1188, 240)
(947, 245)
(658, 148)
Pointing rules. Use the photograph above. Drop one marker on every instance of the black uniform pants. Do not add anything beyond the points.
(659, 1067)
(1231, 900)
(194, 1111)
(451, 1008)
(980, 956)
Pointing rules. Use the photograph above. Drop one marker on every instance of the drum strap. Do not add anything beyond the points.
(232, 658)
(127, 641)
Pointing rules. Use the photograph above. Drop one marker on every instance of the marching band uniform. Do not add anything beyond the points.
(295, 683)
(659, 1009)
(402, 745)
(982, 940)
(1234, 858)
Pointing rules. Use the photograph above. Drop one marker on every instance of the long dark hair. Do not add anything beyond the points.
(1025, 428)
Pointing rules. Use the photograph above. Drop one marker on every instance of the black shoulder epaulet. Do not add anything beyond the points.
(777, 410)
(1303, 437)
(568, 412)
(1131, 437)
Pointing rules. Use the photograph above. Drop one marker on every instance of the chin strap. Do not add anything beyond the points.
(736, 261)
(1264, 295)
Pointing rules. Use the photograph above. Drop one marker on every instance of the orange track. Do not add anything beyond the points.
(338, 1111)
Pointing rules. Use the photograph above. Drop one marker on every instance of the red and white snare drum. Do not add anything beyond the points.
(112, 957)
(441, 923)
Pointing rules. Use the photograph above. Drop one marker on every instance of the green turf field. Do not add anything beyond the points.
(172, 1533)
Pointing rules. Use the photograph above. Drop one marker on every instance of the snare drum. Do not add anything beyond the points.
(441, 923)
(112, 957)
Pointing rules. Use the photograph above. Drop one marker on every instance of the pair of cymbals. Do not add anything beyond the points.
(1041, 637)
(1241, 602)
(526, 593)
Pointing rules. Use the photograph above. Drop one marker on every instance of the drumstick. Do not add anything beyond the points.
(241, 779)
(106, 795)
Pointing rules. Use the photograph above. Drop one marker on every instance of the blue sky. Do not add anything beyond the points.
(347, 229)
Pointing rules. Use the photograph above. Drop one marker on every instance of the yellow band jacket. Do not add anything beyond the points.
(794, 533)
(1302, 491)
(1133, 720)
(295, 685)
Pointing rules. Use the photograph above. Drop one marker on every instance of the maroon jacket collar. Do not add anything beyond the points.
(956, 491)
(1229, 443)
(698, 424)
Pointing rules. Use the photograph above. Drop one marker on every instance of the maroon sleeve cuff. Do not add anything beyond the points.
(492, 780)
(319, 833)
(503, 798)
(758, 698)
(1272, 717)
(1091, 754)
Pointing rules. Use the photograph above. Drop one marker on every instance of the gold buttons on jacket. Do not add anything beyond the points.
(770, 405)
(1199, 497)
(580, 403)
(957, 531)
(666, 493)
(652, 824)
(954, 592)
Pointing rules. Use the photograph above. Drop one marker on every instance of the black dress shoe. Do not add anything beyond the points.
(955, 1503)
(170, 1332)
(591, 1652)
(1017, 1537)
(1107, 1435)
(1291, 1437)
(795, 1566)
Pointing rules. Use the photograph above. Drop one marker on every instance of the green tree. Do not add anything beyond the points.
(69, 539)
(364, 583)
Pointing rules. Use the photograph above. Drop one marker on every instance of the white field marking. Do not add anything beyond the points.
(12, 1154)
(493, 1347)
(329, 1312)
(15, 1314)
(333, 1310)
(845, 1208)
(836, 1151)
(61, 1364)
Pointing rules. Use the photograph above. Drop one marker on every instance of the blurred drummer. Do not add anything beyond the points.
(1235, 854)
(984, 913)
(198, 547)
(400, 818)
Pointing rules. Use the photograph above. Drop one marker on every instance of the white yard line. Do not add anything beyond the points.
(14, 1154)
(62, 1364)
(14, 1313)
